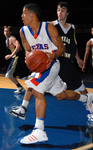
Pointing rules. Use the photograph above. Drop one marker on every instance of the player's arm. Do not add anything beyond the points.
(56, 39)
(87, 51)
(51, 22)
(79, 60)
(15, 45)
(25, 43)
(13, 42)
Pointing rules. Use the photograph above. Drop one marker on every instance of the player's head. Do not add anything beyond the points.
(7, 31)
(30, 11)
(63, 4)
(62, 10)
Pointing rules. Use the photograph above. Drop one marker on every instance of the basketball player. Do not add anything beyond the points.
(89, 48)
(34, 35)
(17, 66)
(67, 33)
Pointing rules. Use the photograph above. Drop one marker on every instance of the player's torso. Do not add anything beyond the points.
(41, 40)
(10, 45)
(67, 35)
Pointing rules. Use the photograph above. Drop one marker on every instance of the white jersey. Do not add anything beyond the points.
(41, 40)
(49, 80)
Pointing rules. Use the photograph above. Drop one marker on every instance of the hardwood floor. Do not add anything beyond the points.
(6, 83)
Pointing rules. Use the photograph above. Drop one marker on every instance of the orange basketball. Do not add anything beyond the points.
(36, 61)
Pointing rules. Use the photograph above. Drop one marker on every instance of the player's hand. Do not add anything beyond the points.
(83, 68)
(80, 63)
(8, 57)
(50, 59)
(27, 52)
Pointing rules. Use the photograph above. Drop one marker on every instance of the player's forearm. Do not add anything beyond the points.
(17, 49)
(60, 51)
(85, 58)
(77, 55)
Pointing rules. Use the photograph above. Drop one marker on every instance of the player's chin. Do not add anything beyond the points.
(24, 22)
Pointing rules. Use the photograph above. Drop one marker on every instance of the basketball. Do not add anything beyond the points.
(36, 61)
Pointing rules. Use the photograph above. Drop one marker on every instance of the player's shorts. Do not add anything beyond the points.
(49, 80)
(70, 74)
(11, 67)
(17, 66)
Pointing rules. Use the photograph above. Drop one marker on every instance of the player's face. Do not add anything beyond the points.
(62, 13)
(26, 16)
(7, 32)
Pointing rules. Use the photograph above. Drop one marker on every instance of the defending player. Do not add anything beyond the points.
(17, 66)
(49, 80)
(67, 33)
(89, 48)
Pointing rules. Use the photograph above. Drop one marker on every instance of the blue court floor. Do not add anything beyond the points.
(65, 123)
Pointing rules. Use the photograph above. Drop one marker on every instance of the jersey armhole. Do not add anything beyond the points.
(22, 29)
(47, 31)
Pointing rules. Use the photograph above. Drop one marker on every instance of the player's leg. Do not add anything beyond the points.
(10, 74)
(20, 89)
(73, 81)
(68, 94)
(20, 111)
(59, 90)
(38, 134)
(71, 95)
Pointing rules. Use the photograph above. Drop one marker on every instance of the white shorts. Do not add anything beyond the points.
(47, 81)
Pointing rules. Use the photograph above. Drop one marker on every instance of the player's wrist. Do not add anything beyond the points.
(55, 56)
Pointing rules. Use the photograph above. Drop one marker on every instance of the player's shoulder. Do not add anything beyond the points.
(22, 30)
(73, 26)
(91, 39)
(51, 27)
(89, 42)
(55, 22)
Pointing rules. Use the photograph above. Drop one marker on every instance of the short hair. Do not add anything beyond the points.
(8, 27)
(63, 4)
(33, 7)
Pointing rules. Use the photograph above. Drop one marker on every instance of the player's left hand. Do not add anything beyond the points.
(80, 63)
(50, 59)
(8, 57)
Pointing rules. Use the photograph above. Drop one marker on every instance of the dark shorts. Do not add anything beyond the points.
(69, 74)
(18, 67)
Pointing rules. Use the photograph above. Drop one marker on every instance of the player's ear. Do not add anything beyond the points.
(67, 13)
(32, 14)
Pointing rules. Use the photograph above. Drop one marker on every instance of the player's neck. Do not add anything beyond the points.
(35, 26)
(64, 23)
